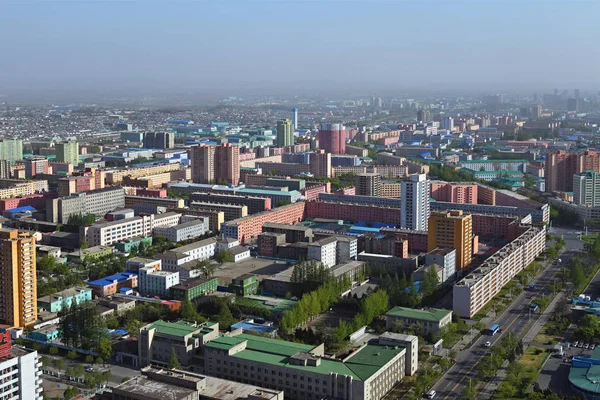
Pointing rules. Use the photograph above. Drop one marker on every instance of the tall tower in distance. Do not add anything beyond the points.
(295, 118)
(285, 133)
(203, 164)
(414, 212)
(332, 138)
(18, 298)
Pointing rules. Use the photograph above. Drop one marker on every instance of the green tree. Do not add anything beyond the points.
(45, 361)
(188, 311)
(133, 327)
(99, 361)
(72, 354)
(59, 364)
(173, 361)
(106, 375)
(89, 359)
(430, 281)
(516, 369)
(105, 348)
(78, 370)
(224, 256)
(207, 268)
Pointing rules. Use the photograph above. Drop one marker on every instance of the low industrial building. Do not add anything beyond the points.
(54, 302)
(191, 289)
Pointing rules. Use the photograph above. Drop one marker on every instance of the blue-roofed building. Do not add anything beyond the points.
(180, 121)
(250, 325)
(10, 213)
(112, 284)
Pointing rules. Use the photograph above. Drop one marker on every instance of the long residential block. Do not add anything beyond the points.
(473, 292)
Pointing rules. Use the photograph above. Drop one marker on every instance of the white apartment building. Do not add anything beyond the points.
(21, 375)
(474, 291)
(414, 207)
(410, 343)
(586, 189)
(186, 231)
(196, 251)
(324, 251)
(107, 233)
(152, 282)
(346, 249)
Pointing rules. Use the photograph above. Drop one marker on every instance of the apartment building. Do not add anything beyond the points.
(391, 190)
(153, 282)
(116, 177)
(157, 180)
(154, 201)
(363, 200)
(18, 293)
(196, 251)
(414, 212)
(446, 259)
(368, 184)
(353, 212)
(454, 192)
(68, 152)
(21, 371)
(108, 233)
(97, 202)
(293, 233)
(230, 211)
(586, 189)
(255, 204)
(386, 171)
(473, 292)
(185, 231)
(324, 251)
(302, 371)
(247, 228)
(452, 230)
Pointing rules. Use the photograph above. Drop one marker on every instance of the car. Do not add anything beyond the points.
(500, 330)
(487, 344)
(593, 346)
(580, 345)
(430, 394)
(89, 369)
(587, 346)
(532, 296)
(576, 343)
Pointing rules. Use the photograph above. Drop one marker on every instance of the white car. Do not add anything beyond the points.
(487, 344)
(430, 394)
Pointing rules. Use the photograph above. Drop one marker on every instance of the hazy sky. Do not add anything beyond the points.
(228, 44)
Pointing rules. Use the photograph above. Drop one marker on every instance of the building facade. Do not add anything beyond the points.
(452, 230)
(414, 212)
(68, 152)
(285, 133)
(332, 138)
(368, 184)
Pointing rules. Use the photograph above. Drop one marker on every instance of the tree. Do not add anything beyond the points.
(36, 346)
(106, 375)
(469, 392)
(430, 281)
(89, 359)
(133, 327)
(60, 364)
(516, 369)
(207, 267)
(105, 348)
(45, 361)
(173, 361)
(188, 311)
(224, 256)
(99, 361)
(70, 392)
(72, 354)
(53, 350)
(78, 371)
(444, 363)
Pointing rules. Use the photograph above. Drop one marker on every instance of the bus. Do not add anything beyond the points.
(494, 329)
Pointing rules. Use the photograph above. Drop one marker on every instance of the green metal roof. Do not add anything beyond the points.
(180, 328)
(361, 365)
(431, 314)
(491, 161)
(585, 378)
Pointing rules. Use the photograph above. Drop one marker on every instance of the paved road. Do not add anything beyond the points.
(514, 319)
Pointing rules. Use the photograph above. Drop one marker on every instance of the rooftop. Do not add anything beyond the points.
(62, 295)
(179, 328)
(155, 390)
(109, 280)
(431, 314)
(360, 365)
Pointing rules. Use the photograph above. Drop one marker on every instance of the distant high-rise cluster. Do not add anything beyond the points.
(561, 166)
(285, 133)
(159, 140)
(332, 138)
(424, 116)
(215, 164)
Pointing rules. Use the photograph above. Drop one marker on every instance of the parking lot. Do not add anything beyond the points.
(554, 375)
(257, 266)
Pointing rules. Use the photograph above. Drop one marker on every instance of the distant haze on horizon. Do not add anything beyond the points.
(300, 47)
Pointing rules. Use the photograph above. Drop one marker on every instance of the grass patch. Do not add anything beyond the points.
(553, 331)
(533, 358)
(588, 239)
(514, 387)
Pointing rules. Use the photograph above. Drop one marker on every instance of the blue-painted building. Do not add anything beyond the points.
(54, 302)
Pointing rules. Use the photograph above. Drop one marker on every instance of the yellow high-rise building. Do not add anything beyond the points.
(452, 230)
(18, 290)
